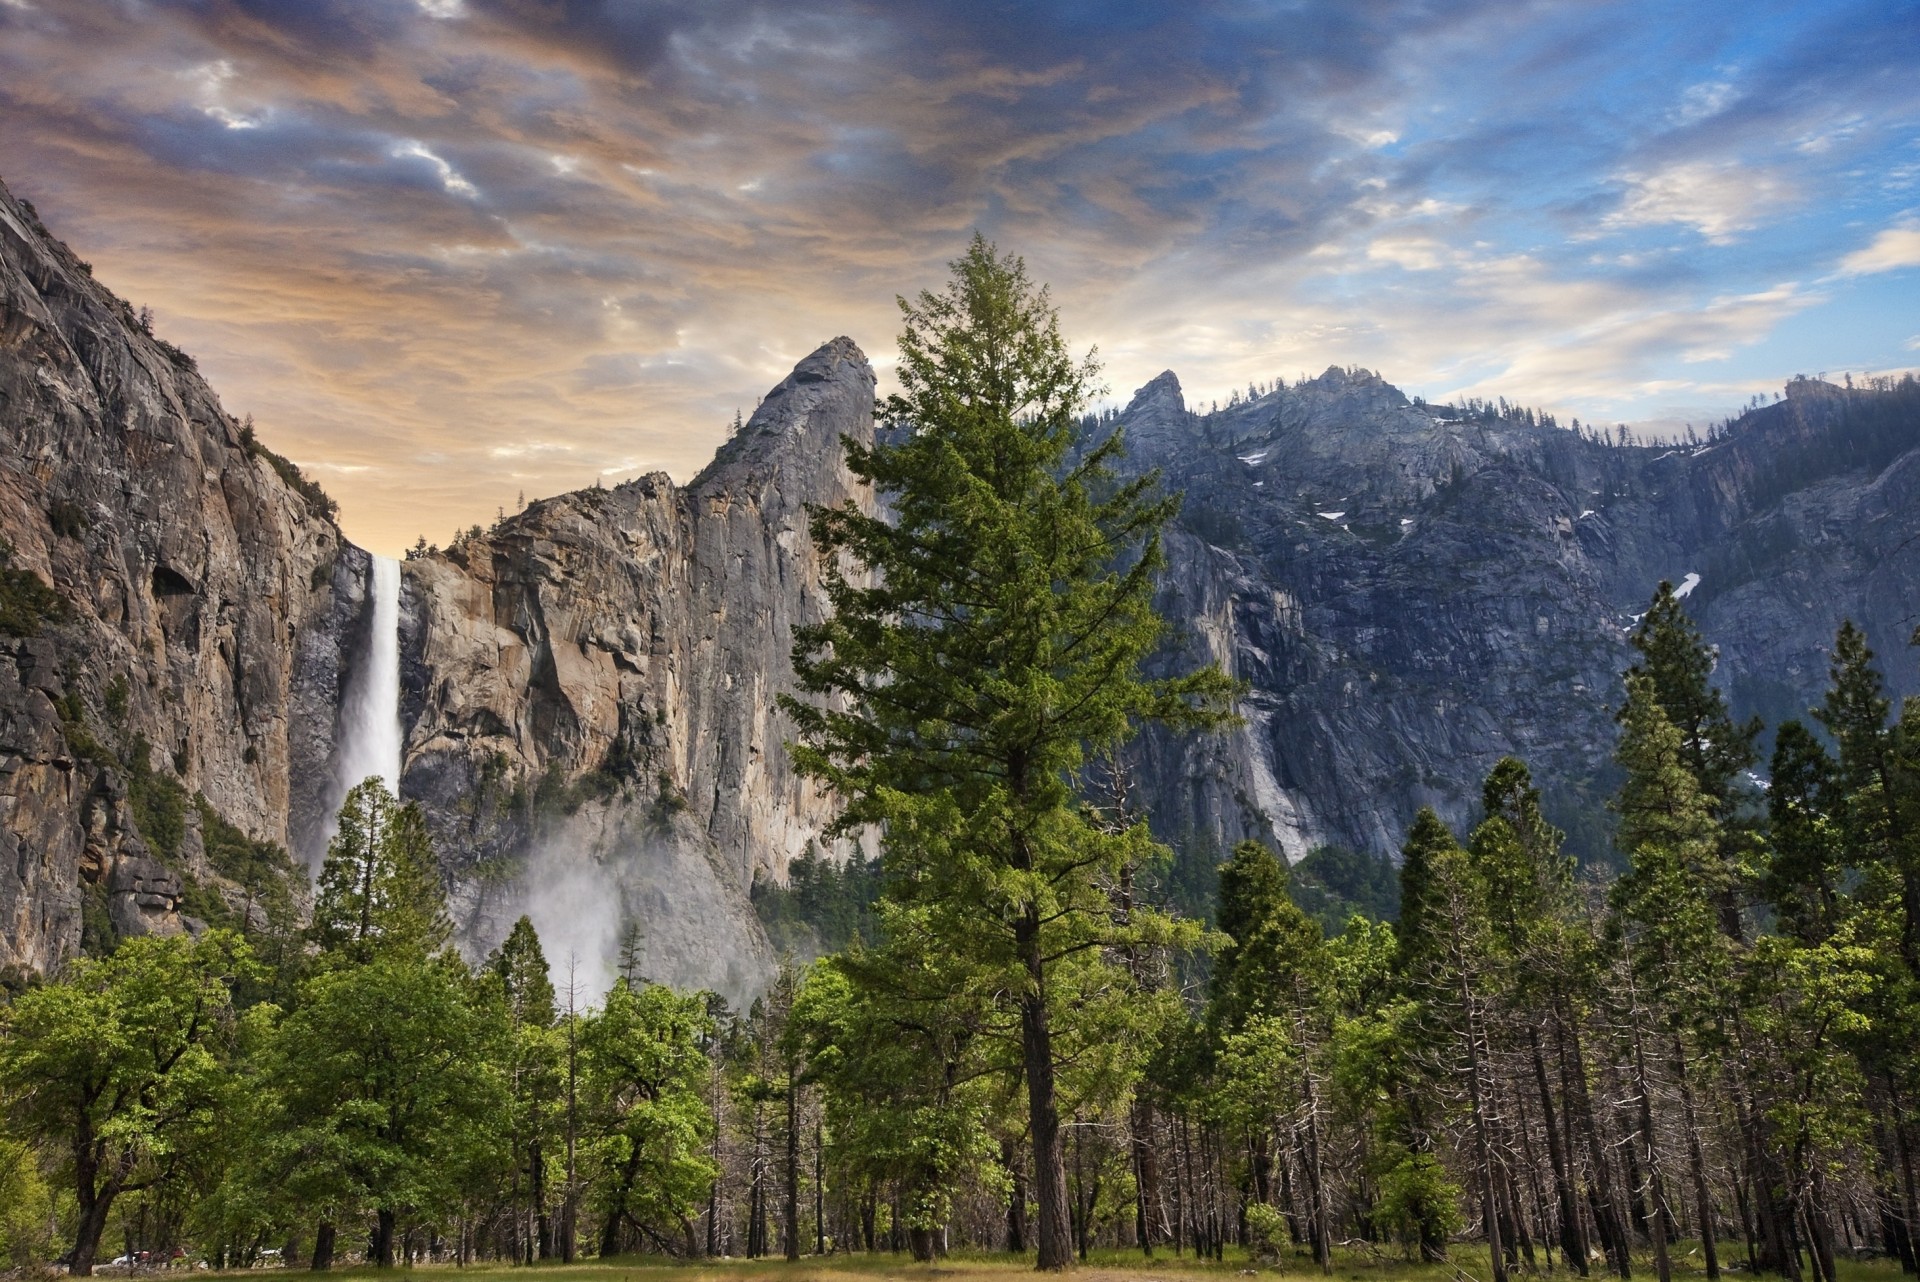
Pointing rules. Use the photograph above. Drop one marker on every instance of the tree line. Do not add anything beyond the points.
(1023, 1044)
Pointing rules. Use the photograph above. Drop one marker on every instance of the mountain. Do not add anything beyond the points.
(1412, 591)
(589, 694)
(587, 690)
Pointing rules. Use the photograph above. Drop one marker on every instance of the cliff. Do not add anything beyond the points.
(195, 652)
(1412, 591)
(589, 694)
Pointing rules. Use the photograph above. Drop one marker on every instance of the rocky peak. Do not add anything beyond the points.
(786, 433)
(1158, 424)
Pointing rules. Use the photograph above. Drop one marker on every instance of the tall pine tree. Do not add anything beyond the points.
(991, 639)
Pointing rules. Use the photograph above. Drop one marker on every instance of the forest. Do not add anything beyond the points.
(1701, 1058)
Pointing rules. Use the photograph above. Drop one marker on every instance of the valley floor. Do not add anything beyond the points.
(1466, 1265)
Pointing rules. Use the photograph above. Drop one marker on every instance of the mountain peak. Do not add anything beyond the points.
(783, 426)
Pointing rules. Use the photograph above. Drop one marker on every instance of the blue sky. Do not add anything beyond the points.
(448, 251)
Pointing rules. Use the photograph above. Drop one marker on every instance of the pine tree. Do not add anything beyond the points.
(1666, 918)
(531, 1065)
(1447, 966)
(994, 637)
(1679, 663)
(1271, 975)
(379, 888)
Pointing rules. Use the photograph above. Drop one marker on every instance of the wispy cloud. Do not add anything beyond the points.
(451, 249)
(1892, 249)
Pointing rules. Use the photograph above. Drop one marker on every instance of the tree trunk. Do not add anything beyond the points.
(1606, 1207)
(1483, 1150)
(790, 1231)
(1017, 1200)
(323, 1246)
(1054, 1229)
(1573, 1245)
(90, 1226)
(1146, 1177)
(383, 1238)
(1316, 1176)
(1661, 1230)
(1696, 1160)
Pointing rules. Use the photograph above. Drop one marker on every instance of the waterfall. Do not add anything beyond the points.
(368, 735)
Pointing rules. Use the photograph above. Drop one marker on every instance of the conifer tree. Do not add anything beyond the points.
(379, 887)
(1446, 963)
(992, 637)
(1675, 961)
(1678, 664)
(531, 1050)
(1269, 991)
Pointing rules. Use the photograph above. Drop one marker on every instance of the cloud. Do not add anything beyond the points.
(1892, 249)
(1718, 200)
(458, 230)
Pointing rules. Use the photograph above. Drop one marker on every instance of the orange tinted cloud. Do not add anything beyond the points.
(449, 251)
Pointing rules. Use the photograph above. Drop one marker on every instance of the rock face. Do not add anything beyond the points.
(199, 588)
(588, 690)
(589, 694)
(1412, 591)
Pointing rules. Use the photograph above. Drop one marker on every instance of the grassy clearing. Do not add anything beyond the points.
(1468, 1264)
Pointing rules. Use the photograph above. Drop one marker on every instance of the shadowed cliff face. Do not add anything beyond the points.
(203, 617)
(1412, 593)
(589, 693)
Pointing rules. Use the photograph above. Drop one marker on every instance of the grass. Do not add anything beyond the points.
(1468, 1263)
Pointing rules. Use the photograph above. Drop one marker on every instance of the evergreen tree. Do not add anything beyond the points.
(993, 636)
(531, 1068)
(379, 887)
(1679, 663)
(1269, 1003)
(1447, 969)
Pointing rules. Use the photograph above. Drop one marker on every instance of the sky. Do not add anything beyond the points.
(450, 252)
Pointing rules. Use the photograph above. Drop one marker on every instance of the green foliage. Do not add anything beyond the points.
(263, 868)
(896, 1039)
(825, 907)
(1271, 962)
(121, 1066)
(26, 602)
(1420, 1204)
(990, 641)
(1678, 664)
(317, 499)
(644, 1073)
(379, 887)
(159, 802)
(1266, 1232)
(1332, 884)
(1664, 902)
(26, 1209)
(386, 1089)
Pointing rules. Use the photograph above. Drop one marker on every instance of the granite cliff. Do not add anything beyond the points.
(1412, 591)
(587, 690)
(150, 731)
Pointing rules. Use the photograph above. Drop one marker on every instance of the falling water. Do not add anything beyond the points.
(369, 726)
